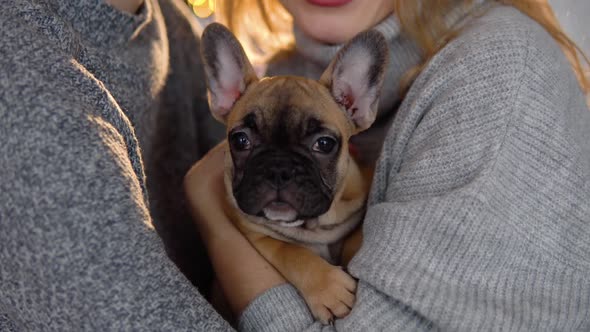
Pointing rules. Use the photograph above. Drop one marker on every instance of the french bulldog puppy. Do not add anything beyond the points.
(292, 187)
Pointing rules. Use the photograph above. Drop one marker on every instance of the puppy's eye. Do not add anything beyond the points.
(324, 144)
(240, 141)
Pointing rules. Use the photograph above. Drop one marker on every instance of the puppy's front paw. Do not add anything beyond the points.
(329, 293)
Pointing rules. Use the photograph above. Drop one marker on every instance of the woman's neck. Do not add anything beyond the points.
(322, 53)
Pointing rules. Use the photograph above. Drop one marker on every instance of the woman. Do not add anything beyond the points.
(478, 216)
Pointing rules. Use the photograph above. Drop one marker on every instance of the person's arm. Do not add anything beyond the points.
(476, 219)
(77, 248)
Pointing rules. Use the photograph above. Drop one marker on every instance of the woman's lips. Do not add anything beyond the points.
(329, 3)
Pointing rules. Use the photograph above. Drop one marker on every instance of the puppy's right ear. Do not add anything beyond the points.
(227, 69)
(355, 77)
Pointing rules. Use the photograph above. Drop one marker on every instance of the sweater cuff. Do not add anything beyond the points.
(280, 308)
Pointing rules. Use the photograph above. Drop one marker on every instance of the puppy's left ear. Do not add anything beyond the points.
(355, 77)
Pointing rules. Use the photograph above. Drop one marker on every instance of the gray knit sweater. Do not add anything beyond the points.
(479, 216)
(86, 93)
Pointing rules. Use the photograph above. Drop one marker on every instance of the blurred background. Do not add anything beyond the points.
(574, 16)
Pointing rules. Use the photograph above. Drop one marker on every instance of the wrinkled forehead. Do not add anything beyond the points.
(291, 106)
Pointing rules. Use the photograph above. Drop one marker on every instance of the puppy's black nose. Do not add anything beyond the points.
(279, 176)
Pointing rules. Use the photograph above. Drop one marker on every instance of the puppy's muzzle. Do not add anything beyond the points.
(282, 186)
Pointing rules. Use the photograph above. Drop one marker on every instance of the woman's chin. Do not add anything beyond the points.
(328, 33)
(337, 24)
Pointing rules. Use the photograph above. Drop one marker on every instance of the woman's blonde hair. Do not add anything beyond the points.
(265, 27)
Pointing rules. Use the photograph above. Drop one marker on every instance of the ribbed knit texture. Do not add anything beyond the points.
(86, 91)
(479, 215)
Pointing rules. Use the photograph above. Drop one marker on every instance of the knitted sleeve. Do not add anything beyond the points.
(479, 215)
(77, 249)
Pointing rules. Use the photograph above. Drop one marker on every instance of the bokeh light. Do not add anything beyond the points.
(202, 8)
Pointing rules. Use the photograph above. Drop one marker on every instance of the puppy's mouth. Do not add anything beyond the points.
(283, 213)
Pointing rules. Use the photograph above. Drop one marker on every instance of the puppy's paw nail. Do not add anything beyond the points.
(322, 314)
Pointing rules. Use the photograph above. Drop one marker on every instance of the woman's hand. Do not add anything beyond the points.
(242, 273)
